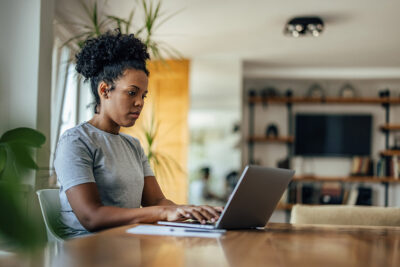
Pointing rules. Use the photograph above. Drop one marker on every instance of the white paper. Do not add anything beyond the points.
(171, 231)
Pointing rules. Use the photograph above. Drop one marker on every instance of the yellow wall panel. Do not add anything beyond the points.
(168, 102)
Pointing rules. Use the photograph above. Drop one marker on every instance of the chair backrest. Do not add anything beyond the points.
(50, 205)
(345, 215)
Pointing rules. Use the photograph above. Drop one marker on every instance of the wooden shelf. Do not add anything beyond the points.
(327, 100)
(390, 153)
(279, 139)
(284, 206)
(346, 179)
(390, 127)
(289, 206)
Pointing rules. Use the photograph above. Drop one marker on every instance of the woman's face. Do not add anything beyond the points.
(124, 104)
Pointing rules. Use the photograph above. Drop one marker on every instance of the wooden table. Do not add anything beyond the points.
(278, 245)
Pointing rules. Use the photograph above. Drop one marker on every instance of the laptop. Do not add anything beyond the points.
(251, 203)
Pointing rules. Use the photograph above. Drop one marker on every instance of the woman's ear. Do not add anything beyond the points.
(103, 89)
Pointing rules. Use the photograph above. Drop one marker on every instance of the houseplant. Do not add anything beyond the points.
(162, 163)
(17, 227)
(97, 22)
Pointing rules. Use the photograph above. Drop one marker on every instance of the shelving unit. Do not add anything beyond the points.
(390, 127)
(289, 140)
(331, 100)
(390, 153)
(278, 139)
(348, 179)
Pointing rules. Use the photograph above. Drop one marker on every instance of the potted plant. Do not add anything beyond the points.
(17, 227)
(98, 22)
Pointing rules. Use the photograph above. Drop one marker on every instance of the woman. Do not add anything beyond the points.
(104, 175)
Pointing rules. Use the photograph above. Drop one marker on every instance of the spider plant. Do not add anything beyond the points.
(98, 23)
(162, 163)
(153, 20)
(17, 227)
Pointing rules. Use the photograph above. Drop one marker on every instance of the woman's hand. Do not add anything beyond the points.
(202, 213)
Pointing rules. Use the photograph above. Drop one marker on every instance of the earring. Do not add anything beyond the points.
(106, 93)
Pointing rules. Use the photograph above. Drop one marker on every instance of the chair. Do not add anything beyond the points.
(345, 215)
(50, 205)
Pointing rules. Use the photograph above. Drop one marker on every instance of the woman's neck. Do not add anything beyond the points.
(104, 124)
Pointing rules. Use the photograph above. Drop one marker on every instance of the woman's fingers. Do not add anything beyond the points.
(206, 214)
(219, 209)
(184, 214)
(194, 213)
(198, 216)
(203, 213)
(215, 213)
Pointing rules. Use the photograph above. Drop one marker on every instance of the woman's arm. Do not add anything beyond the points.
(86, 204)
(152, 194)
(93, 215)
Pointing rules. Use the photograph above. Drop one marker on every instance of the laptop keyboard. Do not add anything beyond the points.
(191, 221)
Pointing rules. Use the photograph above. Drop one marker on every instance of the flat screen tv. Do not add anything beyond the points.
(333, 135)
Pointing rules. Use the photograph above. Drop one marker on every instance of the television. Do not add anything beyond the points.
(333, 135)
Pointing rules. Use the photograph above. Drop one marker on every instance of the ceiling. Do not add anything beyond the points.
(358, 33)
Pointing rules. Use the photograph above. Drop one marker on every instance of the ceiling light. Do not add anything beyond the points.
(302, 26)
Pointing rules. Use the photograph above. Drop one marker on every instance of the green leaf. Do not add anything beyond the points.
(23, 155)
(138, 32)
(3, 158)
(79, 36)
(16, 225)
(86, 8)
(172, 52)
(168, 18)
(117, 19)
(27, 136)
(154, 49)
(95, 22)
(129, 21)
(144, 4)
(105, 20)
(156, 16)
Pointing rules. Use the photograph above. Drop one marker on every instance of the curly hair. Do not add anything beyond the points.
(105, 58)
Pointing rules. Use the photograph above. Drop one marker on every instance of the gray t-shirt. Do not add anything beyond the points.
(116, 163)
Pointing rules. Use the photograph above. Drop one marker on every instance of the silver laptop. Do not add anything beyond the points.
(251, 203)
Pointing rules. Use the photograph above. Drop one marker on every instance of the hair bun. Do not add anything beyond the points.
(109, 49)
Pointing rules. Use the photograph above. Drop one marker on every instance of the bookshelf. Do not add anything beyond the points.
(284, 206)
(390, 153)
(326, 100)
(344, 179)
(386, 127)
(347, 179)
(390, 127)
(278, 139)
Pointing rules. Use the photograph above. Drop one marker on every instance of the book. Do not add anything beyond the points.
(353, 195)
(364, 196)
(331, 193)
(395, 163)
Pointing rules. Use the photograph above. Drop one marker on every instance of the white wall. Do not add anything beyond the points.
(215, 106)
(216, 82)
(25, 67)
(19, 61)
